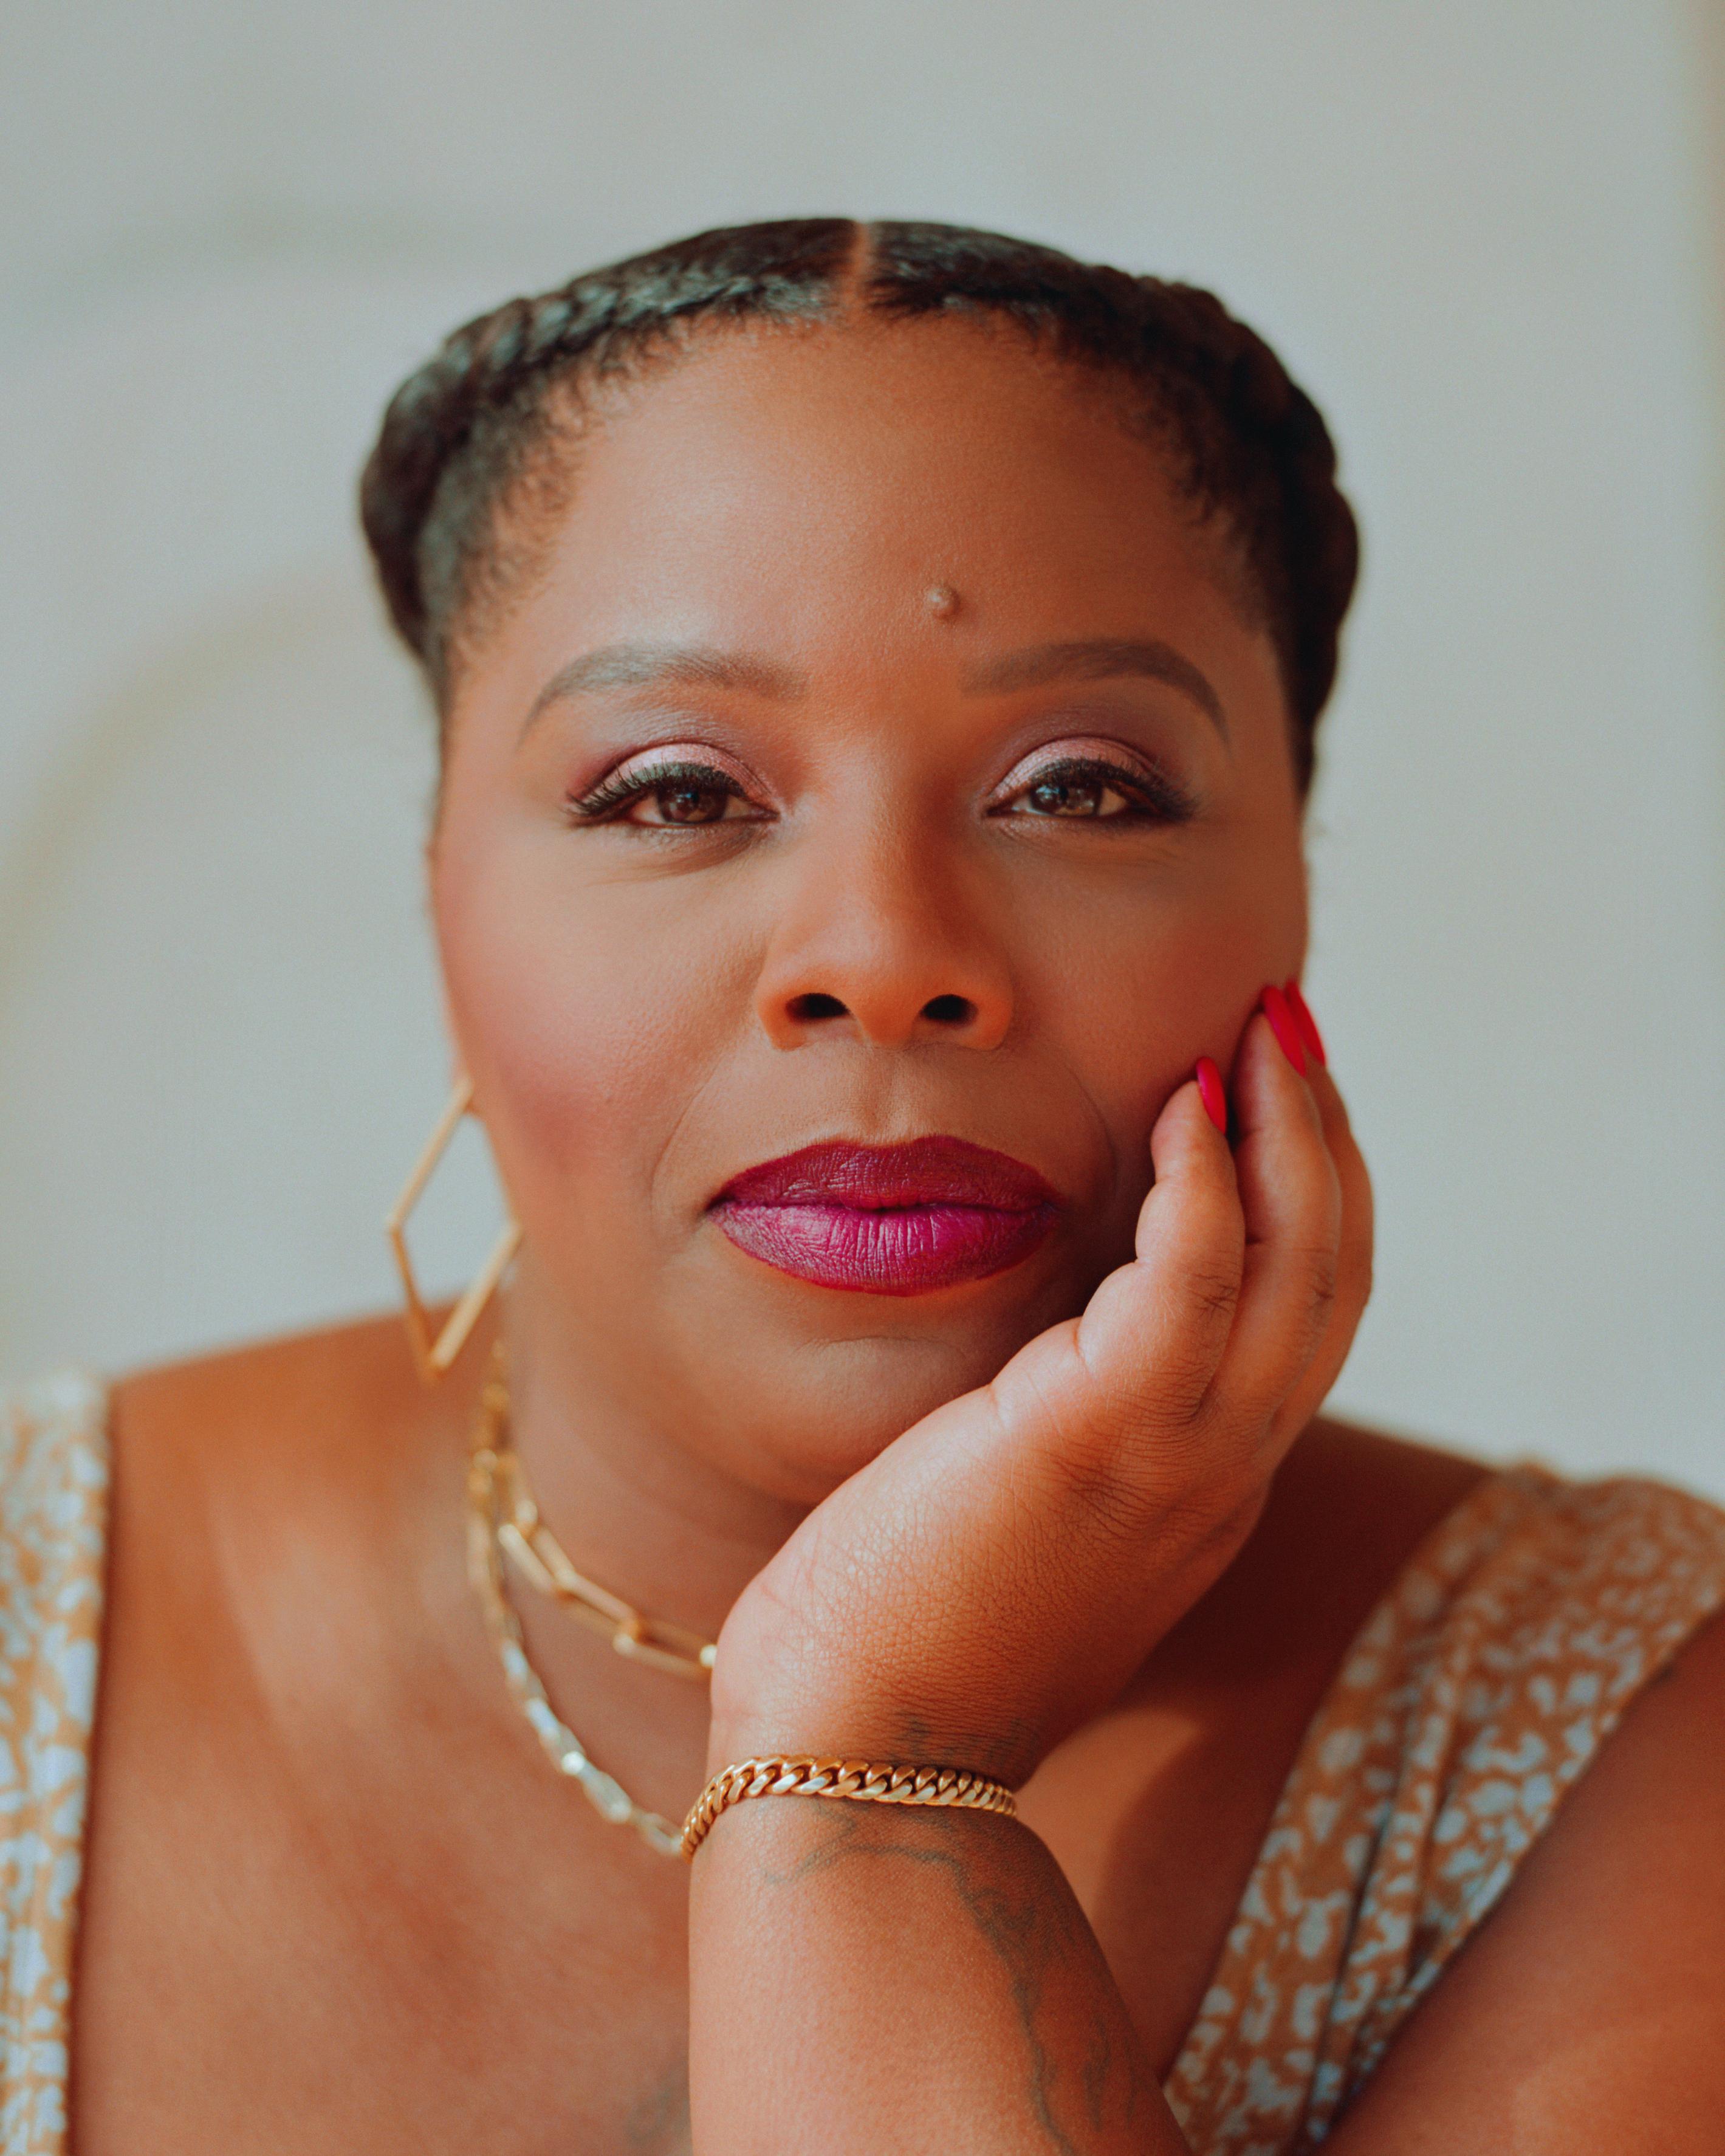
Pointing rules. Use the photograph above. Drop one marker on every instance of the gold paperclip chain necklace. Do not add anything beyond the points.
(502, 1517)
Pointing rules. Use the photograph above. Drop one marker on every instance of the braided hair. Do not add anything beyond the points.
(1247, 445)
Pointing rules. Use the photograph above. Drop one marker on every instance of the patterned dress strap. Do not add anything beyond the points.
(53, 1504)
(1472, 1700)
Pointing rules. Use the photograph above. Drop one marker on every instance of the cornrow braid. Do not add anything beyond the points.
(458, 431)
(1248, 445)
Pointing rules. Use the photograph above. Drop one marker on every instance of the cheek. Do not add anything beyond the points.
(587, 1033)
(605, 1023)
(1132, 992)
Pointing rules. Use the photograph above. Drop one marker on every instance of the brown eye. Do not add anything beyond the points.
(686, 801)
(666, 796)
(1088, 789)
(1073, 797)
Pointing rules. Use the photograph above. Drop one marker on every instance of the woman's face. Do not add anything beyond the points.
(881, 753)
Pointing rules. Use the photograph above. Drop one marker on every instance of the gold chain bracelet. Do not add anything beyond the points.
(856, 1779)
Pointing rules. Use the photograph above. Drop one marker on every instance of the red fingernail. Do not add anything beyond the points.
(1306, 1022)
(1274, 1005)
(1213, 1093)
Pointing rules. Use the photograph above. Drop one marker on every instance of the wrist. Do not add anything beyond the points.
(920, 1788)
(795, 1706)
(757, 1733)
(778, 1712)
(863, 1732)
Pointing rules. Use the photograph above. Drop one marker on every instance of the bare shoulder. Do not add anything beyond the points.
(338, 1406)
(336, 1370)
(281, 1468)
(1589, 2010)
(1347, 1511)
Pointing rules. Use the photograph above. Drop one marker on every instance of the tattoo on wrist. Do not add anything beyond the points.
(1082, 2071)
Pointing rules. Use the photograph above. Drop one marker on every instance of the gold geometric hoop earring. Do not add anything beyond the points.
(434, 1355)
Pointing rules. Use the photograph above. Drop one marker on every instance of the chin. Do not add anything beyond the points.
(796, 1407)
(786, 1388)
(836, 1405)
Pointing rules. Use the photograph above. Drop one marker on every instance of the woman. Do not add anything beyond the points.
(877, 671)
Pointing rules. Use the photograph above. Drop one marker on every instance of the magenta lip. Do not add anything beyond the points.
(898, 1220)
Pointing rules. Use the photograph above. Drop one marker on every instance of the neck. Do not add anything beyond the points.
(644, 1517)
(633, 1507)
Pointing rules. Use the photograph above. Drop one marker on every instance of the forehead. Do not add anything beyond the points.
(800, 490)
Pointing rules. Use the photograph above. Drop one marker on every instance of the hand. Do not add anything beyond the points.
(996, 1575)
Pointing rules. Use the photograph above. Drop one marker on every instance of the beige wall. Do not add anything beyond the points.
(1484, 232)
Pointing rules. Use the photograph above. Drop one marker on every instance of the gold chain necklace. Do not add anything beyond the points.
(502, 1516)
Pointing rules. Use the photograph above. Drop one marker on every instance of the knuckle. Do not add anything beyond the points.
(1213, 1290)
(1207, 1523)
(1233, 1515)
(1317, 1266)
(1107, 1499)
(1144, 1473)
(1124, 1417)
(1129, 1417)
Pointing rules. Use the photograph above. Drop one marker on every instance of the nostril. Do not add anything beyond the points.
(815, 1005)
(950, 1010)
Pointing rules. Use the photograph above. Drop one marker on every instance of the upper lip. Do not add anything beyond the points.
(925, 1170)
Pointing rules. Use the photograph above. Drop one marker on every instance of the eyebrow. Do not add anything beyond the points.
(649, 665)
(1097, 659)
(1039, 665)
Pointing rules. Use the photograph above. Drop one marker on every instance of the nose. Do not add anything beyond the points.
(879, 945)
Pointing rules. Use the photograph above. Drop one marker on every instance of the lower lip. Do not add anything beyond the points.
(899, 1250)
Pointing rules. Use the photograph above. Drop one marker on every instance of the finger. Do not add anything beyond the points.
(1291, 1200)
(1354, 1264)
(1156, 1330)
(1144, 1353)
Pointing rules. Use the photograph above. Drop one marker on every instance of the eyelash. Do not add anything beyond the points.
(620, 789)
(1151, 797)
